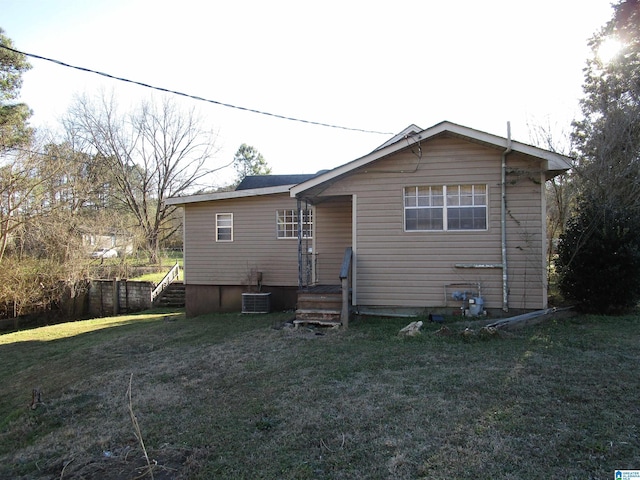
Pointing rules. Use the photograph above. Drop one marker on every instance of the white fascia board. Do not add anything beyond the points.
(410, 130)
(553, 160)
(347, 167)
(210, 197)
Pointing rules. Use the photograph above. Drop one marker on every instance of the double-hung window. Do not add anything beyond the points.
(423, 208)
(287, 223)
(466, 207)
(224, 227)
(445, 208)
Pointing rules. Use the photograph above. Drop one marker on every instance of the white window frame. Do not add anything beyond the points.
(220, 218)
(446, 199)
(424, 198)
(288, 218)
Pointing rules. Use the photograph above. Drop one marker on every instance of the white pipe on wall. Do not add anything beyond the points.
(503, 222)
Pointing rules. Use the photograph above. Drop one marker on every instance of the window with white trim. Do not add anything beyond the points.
(224, 227)
(445, 208)
(287, 223)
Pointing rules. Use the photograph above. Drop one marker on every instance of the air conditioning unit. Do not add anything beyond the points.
(256, 302)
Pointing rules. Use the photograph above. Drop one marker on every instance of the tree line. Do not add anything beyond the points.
(107, 175)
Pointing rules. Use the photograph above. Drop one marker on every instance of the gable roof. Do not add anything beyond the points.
(407, 132)
(262, 181)
(554, 162)
(208, 197)
(295, 184)
(250, 186)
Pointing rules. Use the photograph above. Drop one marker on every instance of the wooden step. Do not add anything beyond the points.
(304, 293)
(319, 305)
(315, 301)
(330, 301)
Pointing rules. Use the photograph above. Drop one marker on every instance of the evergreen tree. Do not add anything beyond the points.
(14, 130)
(599, 254)
(249, 161)
(599, 259)
(608, 135)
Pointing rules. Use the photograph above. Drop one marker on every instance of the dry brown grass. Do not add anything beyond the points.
(231, 397)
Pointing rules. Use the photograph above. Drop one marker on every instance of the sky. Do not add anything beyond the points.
(364, 65)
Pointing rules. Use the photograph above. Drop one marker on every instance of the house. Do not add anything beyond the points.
(121, 241)
(427, 221)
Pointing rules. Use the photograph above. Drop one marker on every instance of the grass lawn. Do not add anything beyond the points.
(127, 266)
(230, 396)
(157, 277)
(168, 260)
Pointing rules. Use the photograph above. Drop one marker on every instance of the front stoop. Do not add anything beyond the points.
(319, 305)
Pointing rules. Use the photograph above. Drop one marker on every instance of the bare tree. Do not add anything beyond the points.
(155, 152)
(560, 190)
(24, 176)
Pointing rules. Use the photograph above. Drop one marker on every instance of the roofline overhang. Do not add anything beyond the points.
(554, 162)
(212, 197)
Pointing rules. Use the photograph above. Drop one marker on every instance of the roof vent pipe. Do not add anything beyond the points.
(503, 222)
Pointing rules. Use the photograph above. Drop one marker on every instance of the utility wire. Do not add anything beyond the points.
(194, 97)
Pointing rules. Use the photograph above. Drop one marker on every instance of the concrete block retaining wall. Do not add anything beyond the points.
(111, 297)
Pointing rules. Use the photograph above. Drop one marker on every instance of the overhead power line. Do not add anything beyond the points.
(194, 97)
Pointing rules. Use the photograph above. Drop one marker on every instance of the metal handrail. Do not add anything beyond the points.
(164, 283)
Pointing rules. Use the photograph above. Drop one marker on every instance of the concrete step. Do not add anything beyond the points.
(326, 315)
(322, 323)
(326, 318)
(173, 296)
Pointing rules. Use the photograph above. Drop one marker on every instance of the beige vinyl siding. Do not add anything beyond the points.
(254, 244)
(526, 234)
(411, 269)
(333, 236)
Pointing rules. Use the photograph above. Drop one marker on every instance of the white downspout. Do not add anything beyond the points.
(503, 222)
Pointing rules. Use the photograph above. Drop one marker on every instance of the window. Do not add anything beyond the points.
(287, 224)
(423, 208)
(467, 207)
(448, 207)
(224, 227)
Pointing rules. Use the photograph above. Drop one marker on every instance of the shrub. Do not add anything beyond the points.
(599, 259)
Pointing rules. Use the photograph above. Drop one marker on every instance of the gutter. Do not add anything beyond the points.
(503, 222)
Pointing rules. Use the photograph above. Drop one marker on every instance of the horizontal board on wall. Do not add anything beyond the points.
(394, 266)
(255, 246)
